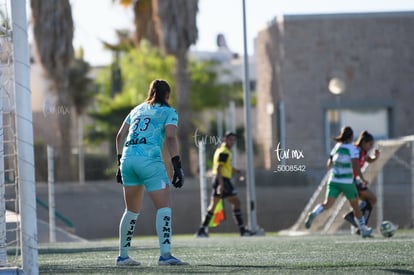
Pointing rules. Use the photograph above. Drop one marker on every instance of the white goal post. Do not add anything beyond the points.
(24, 138)
(19, 114)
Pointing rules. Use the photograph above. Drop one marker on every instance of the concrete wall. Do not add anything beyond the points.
(95, 208)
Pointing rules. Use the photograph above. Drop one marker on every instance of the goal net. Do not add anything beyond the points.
(394, 167)
(18, 225)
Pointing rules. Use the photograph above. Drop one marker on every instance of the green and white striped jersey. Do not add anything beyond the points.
(342, 155)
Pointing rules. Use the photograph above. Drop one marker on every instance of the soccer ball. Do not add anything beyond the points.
(387, 229)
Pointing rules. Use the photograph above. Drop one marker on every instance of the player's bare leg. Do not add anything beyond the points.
(368, 200)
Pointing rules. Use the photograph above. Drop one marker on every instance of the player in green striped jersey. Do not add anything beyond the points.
(343, 162)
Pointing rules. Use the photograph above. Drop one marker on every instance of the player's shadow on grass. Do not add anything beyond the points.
(71, 250)
(240, 266)
(399, 271)
(74, 250)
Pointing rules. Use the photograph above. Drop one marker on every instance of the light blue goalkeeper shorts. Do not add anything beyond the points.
(138, 170)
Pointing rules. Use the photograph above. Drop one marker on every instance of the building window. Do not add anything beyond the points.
(374, 120)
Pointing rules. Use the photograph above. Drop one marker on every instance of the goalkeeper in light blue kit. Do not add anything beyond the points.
(138, 145)
(342, 162)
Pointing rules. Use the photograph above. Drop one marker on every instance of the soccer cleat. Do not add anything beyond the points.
(120, 261)
(201, 233)
(170, 261)
(246, 233)
(366, 231)
(309, 220)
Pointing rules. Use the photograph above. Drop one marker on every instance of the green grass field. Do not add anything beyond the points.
(229, 253)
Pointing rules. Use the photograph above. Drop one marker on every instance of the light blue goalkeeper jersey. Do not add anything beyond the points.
(342, 155)
(147, 129)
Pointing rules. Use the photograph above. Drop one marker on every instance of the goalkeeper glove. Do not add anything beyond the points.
(118, 172)
(178, 177)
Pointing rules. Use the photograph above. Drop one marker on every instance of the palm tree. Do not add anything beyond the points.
(53, 35)
(146, 23)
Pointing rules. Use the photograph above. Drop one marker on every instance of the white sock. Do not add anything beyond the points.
(164, 230)
(126, 232)
(361, 222)
(318, 209)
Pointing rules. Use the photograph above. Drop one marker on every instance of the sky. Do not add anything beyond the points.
(94, 25)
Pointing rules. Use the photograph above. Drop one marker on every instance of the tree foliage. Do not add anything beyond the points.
(138, 67)
(206, 90)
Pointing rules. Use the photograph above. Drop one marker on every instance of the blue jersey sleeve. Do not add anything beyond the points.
(172, 118)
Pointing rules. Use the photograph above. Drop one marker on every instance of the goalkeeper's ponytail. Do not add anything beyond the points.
(158, 92)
